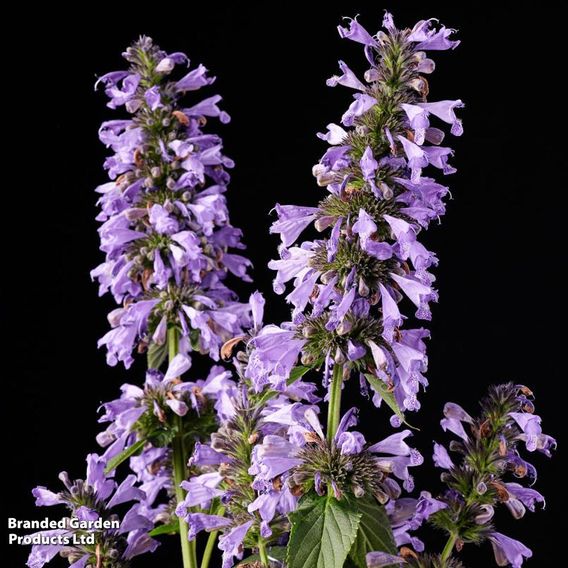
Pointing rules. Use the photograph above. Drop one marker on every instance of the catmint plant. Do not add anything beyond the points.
(277, 475)
(165, 227)
(169, 248)
(483, 470)
(351, 287)
(114, 542)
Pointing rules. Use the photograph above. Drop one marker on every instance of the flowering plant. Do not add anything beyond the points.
(243, 453)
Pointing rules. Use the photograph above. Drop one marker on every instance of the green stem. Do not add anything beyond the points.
(262, 553)
(179, 459)
(334, 408)
(210, 546)
(448, 549)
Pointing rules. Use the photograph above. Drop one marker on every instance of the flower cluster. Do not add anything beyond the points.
(249, 514)
(348, 285)
(165, 225)
(152, 416)
(477, 483)
(111, 542)
(298, 455)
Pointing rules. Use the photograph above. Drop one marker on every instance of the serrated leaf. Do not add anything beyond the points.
(387, 396)
(156, 355)
(277, 553)
(323, 532)
(114, 462)
(374, 532)
(170, 528)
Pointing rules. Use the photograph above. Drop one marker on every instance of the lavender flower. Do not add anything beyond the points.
(165, 226)
(347, 286)
(83, 542)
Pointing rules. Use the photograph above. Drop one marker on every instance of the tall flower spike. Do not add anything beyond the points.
(350, 288)
(114, 541)
(165, 226)
(480, 480)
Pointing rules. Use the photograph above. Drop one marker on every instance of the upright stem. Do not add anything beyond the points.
(334, 403)
(262, 553)
(179, 459)
(448, 549)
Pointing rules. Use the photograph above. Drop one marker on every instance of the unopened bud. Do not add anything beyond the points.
(358, 491)
(339, 357)
(327, 276)
(363, 289)
(344, 327)
(385, 190)
(419, 84)
(307, 359)
(156, 172)
(372, 75)
(165, 66)
(308, 331)
(324, 222)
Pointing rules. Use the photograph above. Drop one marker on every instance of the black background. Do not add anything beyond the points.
(500, 244)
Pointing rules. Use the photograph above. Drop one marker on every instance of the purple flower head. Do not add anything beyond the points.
(349, 287)
(90, 500)
(165, 226)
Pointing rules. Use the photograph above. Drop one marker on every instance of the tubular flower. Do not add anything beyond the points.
(149, 416)
(477, 483)
(352, 286)
(165, 226)
(94, 533)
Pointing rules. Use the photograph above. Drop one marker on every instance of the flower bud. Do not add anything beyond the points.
(363, 289)
(339, 357)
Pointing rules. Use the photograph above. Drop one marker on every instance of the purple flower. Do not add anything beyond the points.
(441, 457)
(231, 543)
(90, 500)
(275, 352)
(356, 32)
(198, 522)
(292, 220)
(165, 226)
(455, 415)
(508, 550)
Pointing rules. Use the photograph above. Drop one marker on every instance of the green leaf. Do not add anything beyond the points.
(170, 528)
(323, 532)
(274, 553)
(156, 355)
(374, 531)
(297, 373)
(387, 396)
(114, 462)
